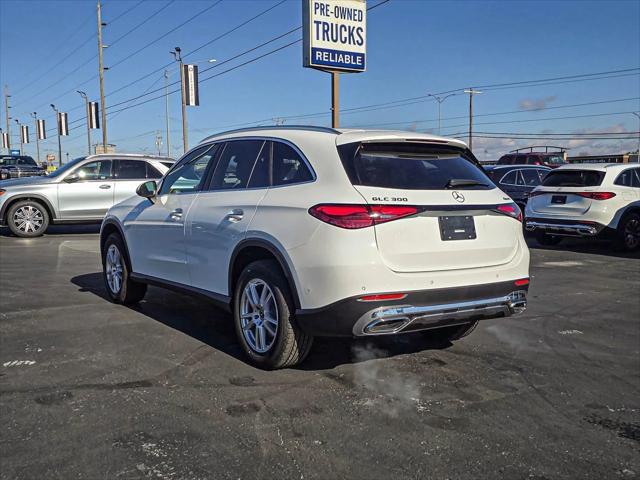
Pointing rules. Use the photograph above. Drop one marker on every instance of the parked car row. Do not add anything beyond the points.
(307, 231)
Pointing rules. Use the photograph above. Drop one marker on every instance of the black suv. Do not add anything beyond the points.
(517, 181)
(531, 157)
(17, 166)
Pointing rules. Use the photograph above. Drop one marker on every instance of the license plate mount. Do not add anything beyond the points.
(559, 199)
(460, 227)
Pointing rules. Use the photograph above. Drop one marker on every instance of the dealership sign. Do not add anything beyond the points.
(335, 34)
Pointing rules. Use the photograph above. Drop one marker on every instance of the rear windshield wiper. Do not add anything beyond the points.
(464, 182)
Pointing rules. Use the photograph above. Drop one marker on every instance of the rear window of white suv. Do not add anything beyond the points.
(573, 178)
(412, 167)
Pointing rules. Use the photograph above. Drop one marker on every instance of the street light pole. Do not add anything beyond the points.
(440, 100)
(101, 74)
(178, 57)
(638, 115)
(35, 117)
(86, 105)
(166, 110)
(6, 109)
(58, 129)
(20, 135)
(471, 93)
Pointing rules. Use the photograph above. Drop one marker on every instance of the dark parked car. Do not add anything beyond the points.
(530, 157)
(18, 166)
(517, 181)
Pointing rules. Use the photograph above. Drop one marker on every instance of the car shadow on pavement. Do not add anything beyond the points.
(202, 320)
(589, 246)
(83, 229)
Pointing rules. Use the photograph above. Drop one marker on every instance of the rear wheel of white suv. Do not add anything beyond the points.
(628, 235)
(264, 318)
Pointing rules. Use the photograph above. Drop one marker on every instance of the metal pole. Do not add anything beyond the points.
(166, 110)
(86, 105)
(185, 133)
(58, 129)
(101, 73)
(439, 104)
(471, 93)
(638, 115)
(335, 99)
(20, 135)
(6, 108)
(35, 116)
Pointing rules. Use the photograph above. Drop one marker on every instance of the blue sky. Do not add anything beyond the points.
(414, 47)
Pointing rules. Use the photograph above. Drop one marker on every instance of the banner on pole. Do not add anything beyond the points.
(93, 114)
(5, 141)
(63, 124)
(41, 130)
(190, 82)
(24, 132)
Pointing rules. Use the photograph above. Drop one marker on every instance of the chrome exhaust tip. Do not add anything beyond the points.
(517, 302)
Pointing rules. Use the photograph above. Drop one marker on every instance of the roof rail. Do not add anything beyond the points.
(546, 148)
(275, 127)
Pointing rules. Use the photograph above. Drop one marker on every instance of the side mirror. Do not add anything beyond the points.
(147, 189)
(71, 178)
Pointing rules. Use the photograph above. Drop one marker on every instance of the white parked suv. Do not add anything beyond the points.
(305, 231)
(587, 200)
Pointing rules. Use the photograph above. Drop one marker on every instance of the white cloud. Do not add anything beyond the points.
(535, 103)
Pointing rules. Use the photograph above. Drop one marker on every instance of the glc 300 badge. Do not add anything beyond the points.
(458, 197)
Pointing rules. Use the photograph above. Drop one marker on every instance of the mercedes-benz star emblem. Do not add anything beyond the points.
(458, 197)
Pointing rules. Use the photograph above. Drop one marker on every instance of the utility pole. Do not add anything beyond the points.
(440, 100)
(101, 73)
(20, 135)
(166, 110)
(638, 115)
(58, 130)
(158, 141)
(335, 99)
(6, 109)
(178, 57)
(86, 104)
(35, 117)
(471, 93)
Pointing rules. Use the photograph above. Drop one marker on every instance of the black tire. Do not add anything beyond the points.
(628, 234)
(129, 292)
(289, 343)
(27, 219)
(547, 239)
(451, 334)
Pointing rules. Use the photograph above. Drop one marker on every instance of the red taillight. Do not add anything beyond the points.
(596, 195)
(381, 297)
(360, 216)
(510, 209)
(522, 282)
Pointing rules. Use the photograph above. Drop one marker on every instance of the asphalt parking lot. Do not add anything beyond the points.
(93, 390)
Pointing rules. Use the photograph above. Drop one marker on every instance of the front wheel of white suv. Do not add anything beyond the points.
(264, 318)
(116, 272)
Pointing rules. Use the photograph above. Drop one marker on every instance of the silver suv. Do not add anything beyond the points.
(80, 191)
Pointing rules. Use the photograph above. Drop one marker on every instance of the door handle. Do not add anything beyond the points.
(235, 215)
(176, 214)
(105, 187)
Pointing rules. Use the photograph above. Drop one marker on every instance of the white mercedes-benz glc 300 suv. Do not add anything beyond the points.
(595, 200)
(306, 231)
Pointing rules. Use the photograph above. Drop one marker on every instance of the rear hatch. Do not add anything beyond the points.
(566, 192)
(455, 225)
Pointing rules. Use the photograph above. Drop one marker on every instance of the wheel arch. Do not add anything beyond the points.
(110, 226)
(27, 196)
(631, 208)
(250, 250)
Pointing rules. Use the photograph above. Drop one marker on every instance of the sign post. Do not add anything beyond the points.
(334, 41)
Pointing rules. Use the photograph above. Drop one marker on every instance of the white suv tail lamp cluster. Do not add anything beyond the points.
(360, 216)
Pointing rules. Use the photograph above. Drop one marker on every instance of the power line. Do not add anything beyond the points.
(137, 26)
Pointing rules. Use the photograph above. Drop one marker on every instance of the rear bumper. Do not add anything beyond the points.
(564, 227)
(419, 310)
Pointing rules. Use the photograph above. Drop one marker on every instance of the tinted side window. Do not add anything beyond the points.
(98, 170)
(531, 177)
(190, 175)
(519, 160)
(153, 172)
(636, 179)
(236, 164)
(506, 160)
(510, 178)
(131, 169)
(260, 174)
(625, 179)
(573, 178)
(288, 166)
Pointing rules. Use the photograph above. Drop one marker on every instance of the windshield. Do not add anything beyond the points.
(555, 160)
(4, 161)
(66, 167)
(8, 161)
(414, 167)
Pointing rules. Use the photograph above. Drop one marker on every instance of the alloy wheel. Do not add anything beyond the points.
(113, 269)
(28, 219)
(632, 233)
(259, 316)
